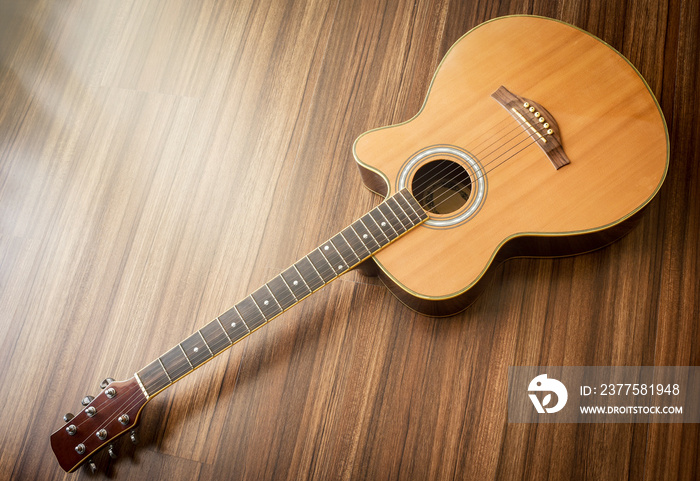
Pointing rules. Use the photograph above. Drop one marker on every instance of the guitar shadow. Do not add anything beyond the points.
(299, 334)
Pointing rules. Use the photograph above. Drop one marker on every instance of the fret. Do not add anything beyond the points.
(266, 302)
(215, 337)
(279, 288)
(355, 242)
(166, 372)
(345, 250)
(309, 273)
(414, 204)
(392, 218)
(417, 207)
(324, 269)
(235, 328)
(222, 327)
(296, 283)
(205, 342)
(365, 236)
(407, 208)
(251, 313)
(391, 202)
(175, 363)
(154, 378)
(385, 225)
(333, 257)
(188, 359)
(196, 350)
(374, 229)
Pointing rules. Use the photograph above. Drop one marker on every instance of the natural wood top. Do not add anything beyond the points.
(610, 128)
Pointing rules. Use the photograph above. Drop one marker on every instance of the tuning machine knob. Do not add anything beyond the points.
(68, 416)
(134, 437)
(106, 382)
(112, 452)
(87, 400)
(91, 466)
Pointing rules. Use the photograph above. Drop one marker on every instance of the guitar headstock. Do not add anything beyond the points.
(112, 413)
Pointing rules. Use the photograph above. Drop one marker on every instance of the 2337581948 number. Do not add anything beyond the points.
(639, 389)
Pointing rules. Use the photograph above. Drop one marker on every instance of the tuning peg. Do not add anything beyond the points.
(106, 382)
(112, 452)
(92, 466)
(87, 400)
(133, 436)
(68, 416)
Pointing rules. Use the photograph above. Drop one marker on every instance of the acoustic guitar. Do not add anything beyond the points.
(535, 139)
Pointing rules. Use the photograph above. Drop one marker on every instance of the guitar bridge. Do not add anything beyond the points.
(537, 122)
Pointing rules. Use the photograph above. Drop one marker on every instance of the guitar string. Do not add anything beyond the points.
(518, 127)
(479, 175)
(478, 154)
(482, 172)
(439, 170)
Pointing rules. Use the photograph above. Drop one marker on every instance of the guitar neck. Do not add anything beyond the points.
(360, 240)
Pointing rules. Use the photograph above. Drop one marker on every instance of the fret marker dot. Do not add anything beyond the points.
(325, 248)
(295, 283)
(340, 266)
(233, 324)
(383, 224)
(195, 349)
(364, 236)
(266, 302)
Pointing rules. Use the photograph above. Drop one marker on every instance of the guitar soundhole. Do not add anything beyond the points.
(441, 186)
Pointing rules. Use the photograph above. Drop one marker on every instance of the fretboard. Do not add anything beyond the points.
(379, 227)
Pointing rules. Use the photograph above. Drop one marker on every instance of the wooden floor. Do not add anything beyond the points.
(159, 159)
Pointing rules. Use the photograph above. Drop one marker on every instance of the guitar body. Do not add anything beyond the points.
(607, 120)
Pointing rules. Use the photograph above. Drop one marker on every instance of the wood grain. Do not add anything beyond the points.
(160, 159)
